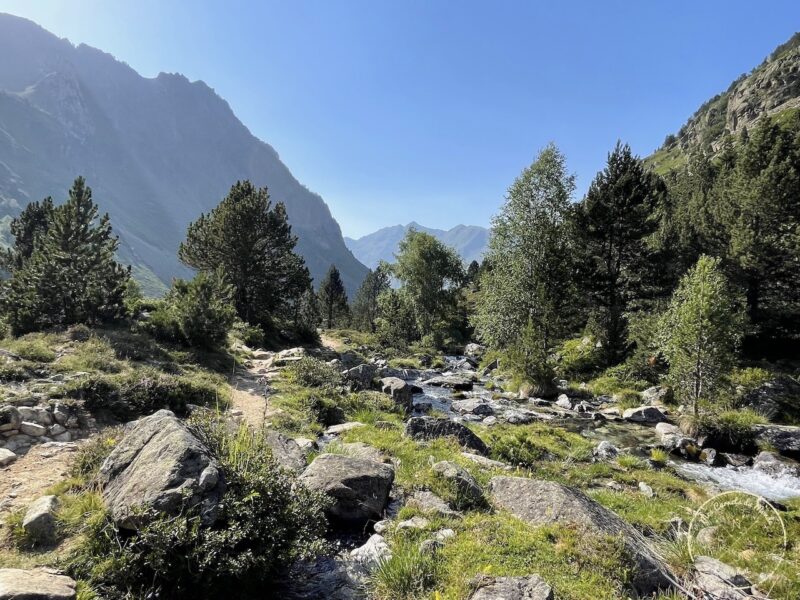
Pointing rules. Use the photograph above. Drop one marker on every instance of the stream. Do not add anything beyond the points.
(634, 437)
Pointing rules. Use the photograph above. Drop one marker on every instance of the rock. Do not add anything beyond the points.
(331, 578)
(32, 429)
(488, 421)
(358, 487)
(373, 552)
(474, 350)
(39, 522)
(710, 457)
(468, 492)
(644, 414)
(285, 450)
(564, 402)
(453, 382)
(36, 414)
(63, 437)
(428, 428)
(658, 394)
(6, 457)
(307, 445)
(776, 399)
(56, 429)
(362, 450)
(605, 451)
(542, 502)
(716, 580)
(415, 522)
(522, 416)
(531, 587)
(735, 460)
(428, 502)
(646, 490)
(401, 391)
(159, 465)
(486, 463)
(381, 526)
(776, 465)
(342, 427)
(706, 536)
(474, 406)
(784, 438)
(360, 377)
(10, 418)
(35, 584)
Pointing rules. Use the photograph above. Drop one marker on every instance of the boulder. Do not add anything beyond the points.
(32, 429)
(360, 377)
(776, 465)
(285, 450)
(35, 584)
(474, 406)
(531, 587)
(10, 419)
(486, 463)
(161, 466)
(36, 414)
(39, 522)
(658, 395)
(775, 399)
(564, 402)
(540, 502)
(784, 438)
(428, 428)
(716, 580)
(468, 492)
(359, 488)
(362, 450)
(342, 427)
(428, 502)
(474, 350)
(415, 522)
(401, 391)
(373, 552)
(453, 382)
(605, 450)
(6, 457)
(644, 414)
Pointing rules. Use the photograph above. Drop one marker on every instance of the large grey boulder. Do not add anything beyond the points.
(6, 457)
(715, 580)
(428, 428)
(35, 584)
(644, 414)
(358, 488)
(453, 382)
(531, 587)
(776, 465)
(474, 406)
(775, 399)
(10, 419)
(401, 391)
(286, 451)
(468, 492)
(784, 438)
(360, 377)
(540, 502)
(159, 466)
(39, 522)
(430, 503)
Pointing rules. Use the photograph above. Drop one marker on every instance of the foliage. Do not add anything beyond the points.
(28, 229)
(252, 243)
(731, 429)
(306, 316)
(527, 358)
(529, 277)
(314, 373)
(31, 347)
(266, 522)
(333, 299)
(250, 335)
(407, 575)
(196, 313)
(700, 332)
(578, 356)
(397, 323)
(527, 445)
(365, 305)
(94, 354)
(71, 275)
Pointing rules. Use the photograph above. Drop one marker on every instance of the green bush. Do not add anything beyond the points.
(266, 522)
(251, 335)
(16, 370)
(32, 347)
(144, 391)
(310, 372)
(94, 354)
(750, 378)
(578, 356)
(731, 430)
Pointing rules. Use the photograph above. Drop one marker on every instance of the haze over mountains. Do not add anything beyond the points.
(157, 152)
(468, 240)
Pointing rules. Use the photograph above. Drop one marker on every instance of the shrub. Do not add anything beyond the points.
(92, 454)
(266, 522)
(730, 430)
(94, 354)
(750, 378)
(369, 401)
(251, 335)
(33, 348)
(79, 332)
(310, 372)
(16, 370)
(578, 356)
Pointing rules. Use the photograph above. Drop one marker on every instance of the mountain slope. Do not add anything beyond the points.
(468, 240)
(157, 152)
(772, 88)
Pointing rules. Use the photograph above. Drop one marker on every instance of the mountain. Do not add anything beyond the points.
(772, 88)
(468, 240)
(156, 151)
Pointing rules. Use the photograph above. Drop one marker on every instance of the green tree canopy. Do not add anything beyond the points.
(333, 299)
(365, 305)
(27, 229)
(252, 242)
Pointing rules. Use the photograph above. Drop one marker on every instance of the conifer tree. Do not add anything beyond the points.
(252, 242)
(333, 299)
(365, 305)
(27, 228)
(72, 275)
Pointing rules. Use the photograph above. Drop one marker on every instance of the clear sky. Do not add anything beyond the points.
(426, 110)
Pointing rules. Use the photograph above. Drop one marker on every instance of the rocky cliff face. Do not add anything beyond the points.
(772, 88)
(157, 152)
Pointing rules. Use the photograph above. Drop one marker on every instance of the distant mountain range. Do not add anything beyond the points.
(156, 152)
(469, 241)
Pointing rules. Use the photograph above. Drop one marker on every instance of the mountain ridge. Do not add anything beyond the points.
(157, 151)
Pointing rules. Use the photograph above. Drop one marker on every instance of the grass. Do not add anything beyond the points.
(35, 347)
(659, 456)
(407, 575)
(93, 355)
(528, 445)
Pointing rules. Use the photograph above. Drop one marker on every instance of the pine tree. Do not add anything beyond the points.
(700, 332)
(27, 229)
(72, 275)
(619, 265)
(252, 242)
(530, 260)
(333, 298)
(306, 315)
(365, 305)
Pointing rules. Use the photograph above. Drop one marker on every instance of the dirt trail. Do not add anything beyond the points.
(27, 478)
(250, 389)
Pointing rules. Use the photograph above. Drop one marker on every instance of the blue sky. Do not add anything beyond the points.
(426, 110)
